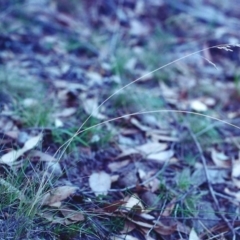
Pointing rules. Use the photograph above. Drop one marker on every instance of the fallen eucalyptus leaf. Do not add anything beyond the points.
(58, 194)
(10, 157)
(100, 183)
(71, 214)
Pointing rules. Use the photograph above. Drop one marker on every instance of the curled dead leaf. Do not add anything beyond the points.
(146, 149)
(147, 216)
(90, 106)
(220, 159)
(236, 195)
(161, 156)
(133, 203)
(41, 156)
(169, 208)
(71, 214)
(116, 165)
(56, 195)
(165, 228)
(128, 227)
(112, 207)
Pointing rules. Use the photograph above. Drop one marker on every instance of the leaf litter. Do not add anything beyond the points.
(135, 175)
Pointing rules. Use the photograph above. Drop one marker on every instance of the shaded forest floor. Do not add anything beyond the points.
(119, 120)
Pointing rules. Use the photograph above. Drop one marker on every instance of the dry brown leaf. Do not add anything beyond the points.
(146, 232)
(169, 208)
(12, 134)
(125, 237)
(164, 228)
(155, 136)
(139, 125)
(127, 152)
(65, 19)
(32, 142)
(112, 207)
(58, 123)
(56, 195)
(95, 77)
(140, 8)
(142, 174)
(193, 235)
(131, 64)
(67, 112)
(51, 217)
(198, 106)
(152, 147)
(62, 95)
(145, 75)
(168, 93)
(183, 228)
(161, 227)
(232, 115)
(236, 173)
(12, 189)
(148, 237)
(68, 85)
(154, 185)
(161, 156)
(7, 125)
(10, 157)
(132, 202)
(140, 223)
(137, 28)
(116, 165)
(42, 156)
(219, 228)
(71, 214)
(90, 106)
(220, 159)
(114, 177)
(54, 168)
(147, 216)
(208, 101)
(128, 227)
(146, 149)
(100, 183)
(234, 194)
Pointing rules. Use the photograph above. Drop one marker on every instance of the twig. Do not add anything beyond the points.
(204, 162)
